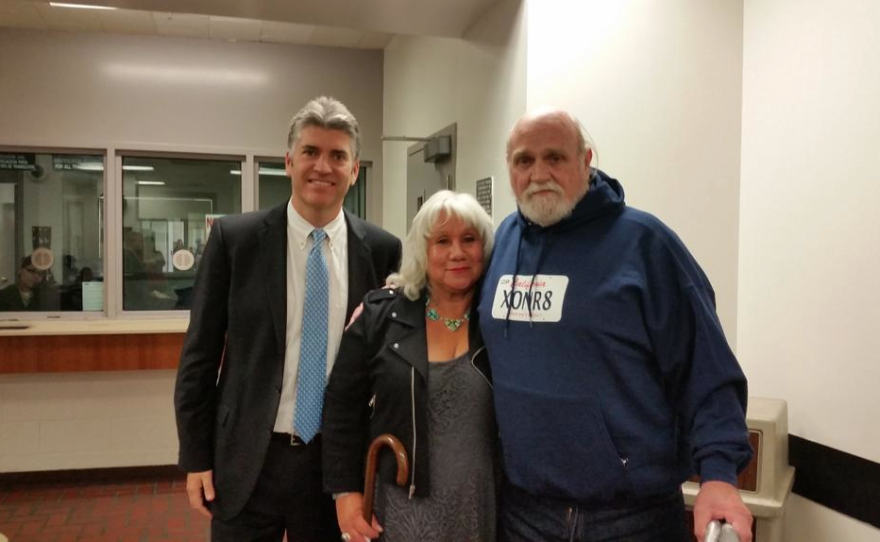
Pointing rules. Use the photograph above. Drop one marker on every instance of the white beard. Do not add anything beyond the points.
(548, 208)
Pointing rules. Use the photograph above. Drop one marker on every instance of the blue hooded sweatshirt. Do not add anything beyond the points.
(612, 375)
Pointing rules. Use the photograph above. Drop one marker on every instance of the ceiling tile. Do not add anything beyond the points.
(13, 7)
(286, 32)
(448, 18)
(128, 21)
(285, 21)
(229, 28)
(182, 24)
(19, 20)
(20, 14)
(335, 37)
(374, 40)
(70, 18)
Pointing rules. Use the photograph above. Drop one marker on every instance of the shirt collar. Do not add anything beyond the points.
(299, 228)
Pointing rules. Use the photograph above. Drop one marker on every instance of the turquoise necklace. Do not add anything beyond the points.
(452, 323)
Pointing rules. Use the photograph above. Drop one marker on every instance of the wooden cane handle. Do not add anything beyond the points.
(385, 439)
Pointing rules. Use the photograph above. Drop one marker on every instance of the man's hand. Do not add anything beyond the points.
(349, 514)
(200, 488)
(721, 501)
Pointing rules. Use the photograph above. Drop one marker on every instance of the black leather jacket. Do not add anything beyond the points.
(379, 385)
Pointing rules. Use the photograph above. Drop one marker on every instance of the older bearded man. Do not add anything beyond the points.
(613, 380)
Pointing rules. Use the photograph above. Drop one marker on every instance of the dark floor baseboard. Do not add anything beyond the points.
(113, 474)
(835, 479)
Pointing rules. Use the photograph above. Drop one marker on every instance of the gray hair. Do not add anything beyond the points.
(584, 141)
(413, 276)
(329, 113)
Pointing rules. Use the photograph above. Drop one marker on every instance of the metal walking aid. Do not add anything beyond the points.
(718, 532)
(389, 440)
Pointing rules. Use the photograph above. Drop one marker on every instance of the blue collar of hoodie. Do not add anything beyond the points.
(604, 196)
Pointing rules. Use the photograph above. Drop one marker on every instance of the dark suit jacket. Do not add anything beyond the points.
(238, 317)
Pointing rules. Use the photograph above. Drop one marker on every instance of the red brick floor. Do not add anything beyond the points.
(141, 510)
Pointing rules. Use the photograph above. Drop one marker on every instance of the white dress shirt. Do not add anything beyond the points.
(299, 243)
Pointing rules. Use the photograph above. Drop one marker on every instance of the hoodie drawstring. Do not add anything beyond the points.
(513, 285)
(519, 253)
(541, 252)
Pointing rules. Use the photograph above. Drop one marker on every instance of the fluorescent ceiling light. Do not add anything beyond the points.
(152, 183)
(98, 166)
(263, 171)
(80, 6)
(162, 74)
(273, 172)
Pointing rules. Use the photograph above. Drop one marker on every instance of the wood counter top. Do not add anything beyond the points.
(54, 346)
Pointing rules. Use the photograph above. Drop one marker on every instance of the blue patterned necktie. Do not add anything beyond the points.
(312, 370)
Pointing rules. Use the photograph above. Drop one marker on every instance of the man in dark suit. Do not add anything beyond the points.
(245, 388)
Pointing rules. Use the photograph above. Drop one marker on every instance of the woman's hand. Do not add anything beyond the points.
(349, 514)
(354, 315)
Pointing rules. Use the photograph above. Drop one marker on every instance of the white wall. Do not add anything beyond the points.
(477, 81)
(133, 92)
(492, 96)
(806, 521)
(140, 92)
(658, 86)
(809, 298)
(86, 420)
(419, 99)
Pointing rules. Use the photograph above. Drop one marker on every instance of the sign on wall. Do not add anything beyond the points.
(484, 194)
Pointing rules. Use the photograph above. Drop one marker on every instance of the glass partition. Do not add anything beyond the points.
(168, 207)
(274, 187)
(51, 232)
(356, 198)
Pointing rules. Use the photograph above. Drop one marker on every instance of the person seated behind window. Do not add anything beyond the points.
(24, 295)
(85, 275)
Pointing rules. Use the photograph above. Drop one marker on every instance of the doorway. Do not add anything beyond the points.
(430, 167)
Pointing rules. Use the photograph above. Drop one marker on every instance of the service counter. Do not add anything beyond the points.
(63, 346)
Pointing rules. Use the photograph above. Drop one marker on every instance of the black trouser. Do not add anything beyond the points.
(288, 498)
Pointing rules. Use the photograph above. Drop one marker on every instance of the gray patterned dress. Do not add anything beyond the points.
(461, 431)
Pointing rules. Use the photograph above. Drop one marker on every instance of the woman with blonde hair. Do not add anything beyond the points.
(413, 365)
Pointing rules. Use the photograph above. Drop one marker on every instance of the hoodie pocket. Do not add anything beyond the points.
(561, 447)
